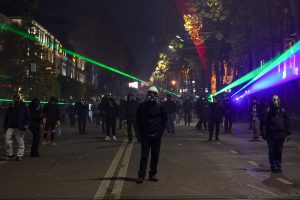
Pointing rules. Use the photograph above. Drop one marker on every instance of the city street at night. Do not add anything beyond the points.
(87, 167)
(149, 99)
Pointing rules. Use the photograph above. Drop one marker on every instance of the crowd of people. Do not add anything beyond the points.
(146, 120)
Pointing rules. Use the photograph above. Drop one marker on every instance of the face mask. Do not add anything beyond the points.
(276, 101)
(152, 96)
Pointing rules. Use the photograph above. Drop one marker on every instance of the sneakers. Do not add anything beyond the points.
(7, 157)
(115, 138)
(107, 138)
(19, 158)
(54, 143)
(153, 178)
(140, 180)
(44, 142)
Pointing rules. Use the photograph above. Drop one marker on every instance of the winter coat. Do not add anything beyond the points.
(131, 110)
(169, 106)
(51, 112)
(151, 119)
(187, 106)
(82, 110)
(216, 112)
(275, 123)
(17, 116)
(35, 115)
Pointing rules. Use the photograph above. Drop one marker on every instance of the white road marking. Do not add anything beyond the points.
(285, 181)
(253, 163)
(110, 172)
(118, 186)
(266, 191)
(233, 151)
(219, 143)
(2, 162)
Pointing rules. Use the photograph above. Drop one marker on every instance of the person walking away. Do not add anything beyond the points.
(151, 122)
(228, 115)
(15, 124)
(170, 108)
(102, 108)
(131, 107)
(216, 115)
(71, 114)
(188, 107)
(121, 112)
(255, 113)
(275, 130)
(51, 119)
(82, 112)
(96, 112)
(35, 125)
(111, 113)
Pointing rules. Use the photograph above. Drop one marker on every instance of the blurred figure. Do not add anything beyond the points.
(51, 119)
(216, 115)
(151, 121)
(96, 112)
(71, 114)
(111, 113)
(102, 106)
(15, 124)
(228, 114)
(170, 108)
(178, 112)
(121, 112)
(82, 112)
(35, 110)
(130, 116)
(255, 114)
(187, 108)
(275, 129)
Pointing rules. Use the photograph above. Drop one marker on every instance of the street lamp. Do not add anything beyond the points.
(173, 82)
(171, 47)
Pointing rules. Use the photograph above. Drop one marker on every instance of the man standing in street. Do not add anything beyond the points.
(130, 116)
(255, 114)
(275, 128)
(151, 122)
(35, 125)
(216, 115)
(51, 119)
(15, 123)
(170, 108)
(82, 111)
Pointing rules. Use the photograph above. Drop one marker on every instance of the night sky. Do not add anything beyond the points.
(145, 25)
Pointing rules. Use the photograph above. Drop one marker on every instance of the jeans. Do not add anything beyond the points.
(255, 127)
(19, 136)
(110, 125)
(212, 126)
(146, 145)
(275, 152)
(170, 124)
(187, 118)
(35, 129)
(82, 126)
(131, 123)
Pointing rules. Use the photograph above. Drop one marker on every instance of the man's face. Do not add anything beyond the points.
(276, 101)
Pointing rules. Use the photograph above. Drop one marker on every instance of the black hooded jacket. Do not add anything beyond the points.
(275, 123)
(17, 116)
(151, 119)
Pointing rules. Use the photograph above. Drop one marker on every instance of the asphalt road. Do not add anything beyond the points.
(88, 167)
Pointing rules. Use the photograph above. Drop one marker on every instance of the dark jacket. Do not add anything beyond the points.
(131, 110)
(151, 119)
(258, 110)
(17, 116)
(51, 112)
(216, 112)
(82, 110)
(275, 123)
(35, 114)
(169, 106)
(187, 106)
(109, 109)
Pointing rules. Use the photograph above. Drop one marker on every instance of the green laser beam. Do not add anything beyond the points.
(27, 101)
(4, 77)
(274, 63)
(97, 63)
